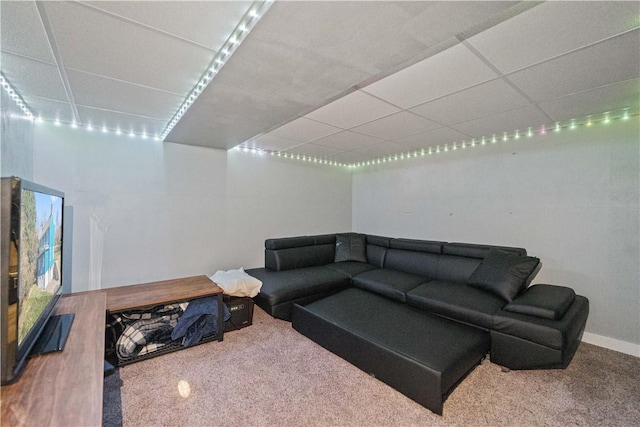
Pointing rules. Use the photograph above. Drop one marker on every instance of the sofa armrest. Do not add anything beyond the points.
(544, 301)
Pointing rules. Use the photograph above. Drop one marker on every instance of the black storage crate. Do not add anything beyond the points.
(241, 309)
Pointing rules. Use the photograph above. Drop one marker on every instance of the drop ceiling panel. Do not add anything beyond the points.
(353, 110)
(51, 109)
(304, 130)
(125, 122)
(105, 93)
(349, 157)
(483, 100)
(614, 60)
(436, 21)
(130, 64)
(314, 150)
(551, 29)
(347, 140)
(608, 98)
(446, 72)
(130, 53)
(209, 22)
(272, 142)
(356, 37)
(381, 150)
(373, 37)
(509, 121)
(396, 125)
(211, 120)
(22, 31)
(33, 78)
(271, 70)
(432, 138)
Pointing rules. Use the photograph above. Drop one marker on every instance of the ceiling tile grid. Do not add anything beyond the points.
(552, 29)
(353, 110)
(131, 53)
(466, 96)
(449, 71)
(128, 64)
(209, 22)
(33, 77)
(606, 98)
(22, 31)
(433, 138)
(604, 63)
(347, 140)
(484, 99)
(396, 126)
(343, 81)
(305, 130)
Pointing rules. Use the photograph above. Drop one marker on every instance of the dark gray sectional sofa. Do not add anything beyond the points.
(420, 315)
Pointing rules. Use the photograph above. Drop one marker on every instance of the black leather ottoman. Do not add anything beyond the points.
(420, 355)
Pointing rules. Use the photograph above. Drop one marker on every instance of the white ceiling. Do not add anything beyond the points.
(341, 81)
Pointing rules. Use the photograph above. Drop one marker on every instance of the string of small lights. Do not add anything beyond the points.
(591, 120)
(237, 36)
(13, 94)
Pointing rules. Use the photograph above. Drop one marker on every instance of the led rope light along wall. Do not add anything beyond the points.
(238, 35)
(518, 134)
(15, 96)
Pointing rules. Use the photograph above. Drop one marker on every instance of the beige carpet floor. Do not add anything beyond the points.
(268, 374)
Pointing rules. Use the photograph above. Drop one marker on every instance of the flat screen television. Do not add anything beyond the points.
(31, 238)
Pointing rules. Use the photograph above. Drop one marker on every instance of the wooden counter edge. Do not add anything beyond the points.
(63, 388)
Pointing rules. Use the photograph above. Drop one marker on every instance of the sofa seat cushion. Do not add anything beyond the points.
(457, 301)
(351, 268)
(389, 283)
(289, 285)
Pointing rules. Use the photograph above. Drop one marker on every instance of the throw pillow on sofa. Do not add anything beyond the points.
(351, 247)
(503, 273)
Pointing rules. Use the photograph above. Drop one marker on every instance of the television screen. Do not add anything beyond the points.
(40, 256)
(31, 247)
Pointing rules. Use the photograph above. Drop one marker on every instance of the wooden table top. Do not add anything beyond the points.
(158, 293)
(63, 388)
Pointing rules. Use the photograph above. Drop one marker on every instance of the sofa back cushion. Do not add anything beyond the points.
(377, 247)
(504, 274)
(420, 263)
(450, 262)
(288, 242)
(473, 250)
(452, 268)
(298, 252)
(300, 257)
(428, 246)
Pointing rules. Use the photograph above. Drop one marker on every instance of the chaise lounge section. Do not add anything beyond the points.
(404, 309)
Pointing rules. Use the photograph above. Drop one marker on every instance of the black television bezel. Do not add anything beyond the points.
(15, 354)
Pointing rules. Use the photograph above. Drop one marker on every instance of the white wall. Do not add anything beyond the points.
(150, 211)
(571, 198)
(145, 211)
(16, 140)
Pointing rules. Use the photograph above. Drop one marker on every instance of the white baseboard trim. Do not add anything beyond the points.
(612, 344)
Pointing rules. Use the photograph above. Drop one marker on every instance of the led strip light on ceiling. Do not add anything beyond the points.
(604, 118)
(15, 96)
(238, 35)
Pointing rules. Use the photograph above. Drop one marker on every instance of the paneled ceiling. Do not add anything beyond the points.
(340, 81)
